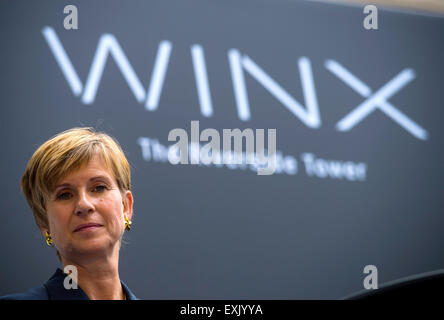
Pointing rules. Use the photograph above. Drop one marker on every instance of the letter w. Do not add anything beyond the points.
(108, 44)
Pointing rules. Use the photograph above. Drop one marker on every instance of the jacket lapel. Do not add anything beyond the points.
(56, 290)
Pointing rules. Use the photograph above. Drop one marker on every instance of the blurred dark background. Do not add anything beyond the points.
(217, 232)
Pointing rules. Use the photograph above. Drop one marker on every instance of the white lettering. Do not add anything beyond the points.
(71, 20)
(371, 281)
(371, 21)
(70, 281)
(231, 159)
(309, 115)
(334, 169)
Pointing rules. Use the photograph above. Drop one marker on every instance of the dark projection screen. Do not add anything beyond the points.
(359, 152)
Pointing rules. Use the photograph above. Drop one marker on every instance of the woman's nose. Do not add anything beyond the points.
(84, 204)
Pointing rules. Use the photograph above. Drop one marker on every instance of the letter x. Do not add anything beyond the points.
(375, 100)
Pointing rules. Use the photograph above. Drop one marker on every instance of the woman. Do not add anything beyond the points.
(78, 186)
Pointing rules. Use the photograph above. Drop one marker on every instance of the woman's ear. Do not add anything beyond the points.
(43, 230)
(127, 201)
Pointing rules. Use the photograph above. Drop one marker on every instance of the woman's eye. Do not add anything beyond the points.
(64, 196)
(100, 188)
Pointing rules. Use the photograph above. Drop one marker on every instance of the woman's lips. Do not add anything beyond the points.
(87, 226)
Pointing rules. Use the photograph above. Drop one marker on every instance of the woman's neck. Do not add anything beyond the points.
(98, 278)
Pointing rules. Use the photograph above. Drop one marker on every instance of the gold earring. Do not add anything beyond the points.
(48, 239)
(127, 224)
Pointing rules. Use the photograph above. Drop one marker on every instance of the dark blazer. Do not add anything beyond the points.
(53, 289)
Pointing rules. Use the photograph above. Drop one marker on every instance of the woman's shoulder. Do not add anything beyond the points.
(54, 289)
(128, 292)
(39, 293)
(43, 292)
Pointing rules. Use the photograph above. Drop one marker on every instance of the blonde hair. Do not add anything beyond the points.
(64, 153)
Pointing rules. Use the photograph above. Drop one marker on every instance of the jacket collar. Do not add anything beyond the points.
(56, 290)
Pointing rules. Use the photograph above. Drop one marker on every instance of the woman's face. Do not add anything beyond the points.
(86, 212)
